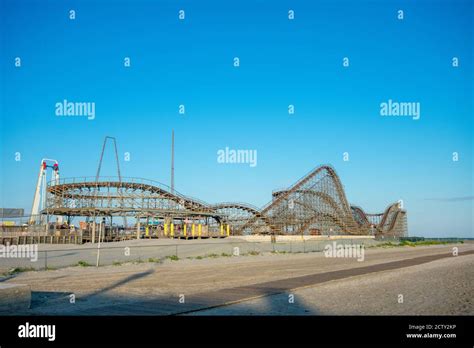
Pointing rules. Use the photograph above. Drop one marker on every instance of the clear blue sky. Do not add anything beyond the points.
(283, 62)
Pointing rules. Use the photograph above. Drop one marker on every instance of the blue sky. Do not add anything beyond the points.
(283, 62)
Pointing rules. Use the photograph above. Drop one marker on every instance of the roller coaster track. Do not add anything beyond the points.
(316, 182)
(321, 194)
(110, 196)
(392, 220)
(238, 214)
(360, 216)
(315, 203)
(307, 178)
(241, 206)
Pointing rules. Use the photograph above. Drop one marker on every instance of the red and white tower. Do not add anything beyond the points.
(39, 200)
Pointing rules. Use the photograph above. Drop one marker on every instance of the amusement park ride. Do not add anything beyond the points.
(39, 199)
(315, 204)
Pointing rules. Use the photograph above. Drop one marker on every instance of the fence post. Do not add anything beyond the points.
(98, 246)
(45, 260)
(304, 247)
(176, 250)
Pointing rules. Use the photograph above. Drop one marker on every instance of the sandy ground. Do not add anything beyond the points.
(443, 287)
(156, 288)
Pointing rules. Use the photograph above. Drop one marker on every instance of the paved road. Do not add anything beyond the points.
(64, 255)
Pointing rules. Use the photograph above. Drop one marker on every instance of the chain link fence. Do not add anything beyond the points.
(117, 255)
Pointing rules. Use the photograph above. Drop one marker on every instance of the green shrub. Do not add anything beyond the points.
(253, 253)
(20, 270)
(154, 259)
(83, 263)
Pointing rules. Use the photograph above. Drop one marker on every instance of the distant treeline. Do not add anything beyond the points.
(448, 239)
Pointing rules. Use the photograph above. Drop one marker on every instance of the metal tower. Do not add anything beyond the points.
(39, 199)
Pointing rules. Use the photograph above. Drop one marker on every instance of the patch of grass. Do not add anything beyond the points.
(212, 255)
(83, 263)
(226, 255)
(414, 244)
(17, 270)
(49, 268)
(117, 263)
(199, 257)
(430, 242)
(387, 245)
(172, 258)
(253, 253)
(154, 259)
(408, 243)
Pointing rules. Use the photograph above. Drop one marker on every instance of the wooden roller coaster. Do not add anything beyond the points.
(315, 204)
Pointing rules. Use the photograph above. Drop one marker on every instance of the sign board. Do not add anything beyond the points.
(11, 213)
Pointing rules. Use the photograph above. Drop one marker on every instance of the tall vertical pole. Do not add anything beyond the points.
(43, 197)
(98, 245)
(172, 161)
(93, 231)
(138, 227)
